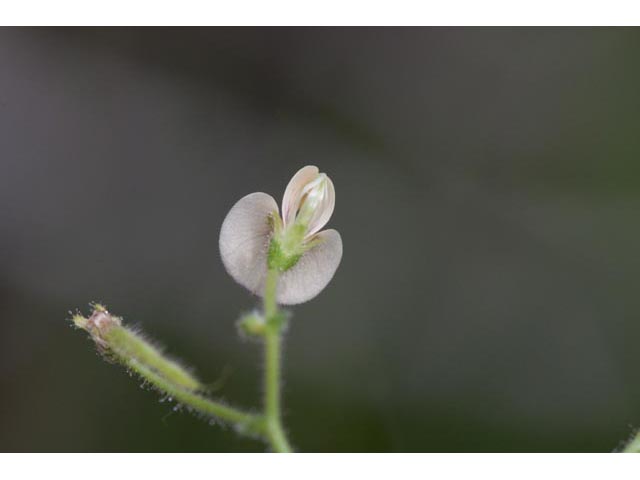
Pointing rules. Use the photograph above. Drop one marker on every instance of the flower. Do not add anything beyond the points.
(254, 238)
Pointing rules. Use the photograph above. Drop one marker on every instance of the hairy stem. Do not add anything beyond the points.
(132, 350)
(270, 289)
(634, 445)
(140, 356)
(242, 420)
(272, 412)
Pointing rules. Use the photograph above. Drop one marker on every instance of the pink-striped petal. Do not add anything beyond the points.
(324, 209)
(293, 192)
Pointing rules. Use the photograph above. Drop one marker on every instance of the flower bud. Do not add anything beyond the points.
(98, 325)
(252, 324)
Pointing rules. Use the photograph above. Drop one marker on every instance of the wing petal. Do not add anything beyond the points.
(314, 270)
(244, 240)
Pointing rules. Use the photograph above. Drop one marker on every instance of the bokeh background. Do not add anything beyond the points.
(488, 197)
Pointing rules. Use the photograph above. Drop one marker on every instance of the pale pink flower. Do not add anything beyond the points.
(253, 223)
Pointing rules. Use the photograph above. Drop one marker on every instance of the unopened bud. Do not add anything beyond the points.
(252, 324)
(99, 324)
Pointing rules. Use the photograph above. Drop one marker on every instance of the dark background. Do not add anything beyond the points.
(488, 197)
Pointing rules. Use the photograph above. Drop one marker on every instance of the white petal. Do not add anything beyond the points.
(294, 191)
(244, 240)
(314, 270)
(325, 210)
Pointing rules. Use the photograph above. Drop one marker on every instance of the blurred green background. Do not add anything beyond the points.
(488, 194)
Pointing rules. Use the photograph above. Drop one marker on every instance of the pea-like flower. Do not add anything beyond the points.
(255, 238)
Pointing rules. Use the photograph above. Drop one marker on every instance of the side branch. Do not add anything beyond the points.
(244, 422)
(122, 345)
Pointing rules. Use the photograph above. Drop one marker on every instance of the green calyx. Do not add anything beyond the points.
(279, 259)
(287, 245)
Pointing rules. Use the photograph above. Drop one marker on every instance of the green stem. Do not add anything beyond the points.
(634, 445)
(171, 378)
(272, 412)
(244, 421)
(270, 289)
(140, 356)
